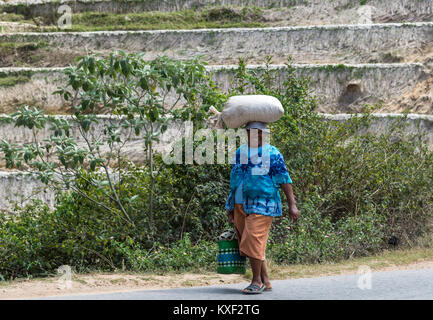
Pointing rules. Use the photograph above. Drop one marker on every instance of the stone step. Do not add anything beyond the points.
(300, 10)
(391, 42)
(16, 185)
(339, 88)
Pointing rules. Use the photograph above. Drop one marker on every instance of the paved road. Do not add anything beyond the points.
(405, 284)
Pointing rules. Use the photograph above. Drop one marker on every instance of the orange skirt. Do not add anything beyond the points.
(252, 231)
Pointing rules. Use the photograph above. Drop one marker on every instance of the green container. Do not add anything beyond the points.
(229, 259)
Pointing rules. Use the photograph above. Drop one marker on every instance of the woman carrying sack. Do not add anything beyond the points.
(254, 200)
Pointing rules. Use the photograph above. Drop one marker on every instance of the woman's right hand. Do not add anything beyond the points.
(231, 218)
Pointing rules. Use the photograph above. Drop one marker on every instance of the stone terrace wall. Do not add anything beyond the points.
(411, 10)
(340, 88)
(21, 187)
(381, 122)
(324, 44)
(343, 88)
(133, 149)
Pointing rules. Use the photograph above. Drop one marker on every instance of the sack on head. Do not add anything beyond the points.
(239, 110)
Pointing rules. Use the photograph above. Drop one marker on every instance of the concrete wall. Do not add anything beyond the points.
(415, 10)
(382, 122)
(339, 88)
(33, 87)
(324, 44)
(20, 187)
(133, 149)
(344, 88)
(17, 185)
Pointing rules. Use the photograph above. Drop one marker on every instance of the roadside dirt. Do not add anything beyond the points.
(102, 283)
(117, 282)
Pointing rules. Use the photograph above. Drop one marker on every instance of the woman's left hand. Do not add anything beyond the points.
(293, 213)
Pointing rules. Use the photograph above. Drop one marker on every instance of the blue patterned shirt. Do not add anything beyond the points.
(259, 172)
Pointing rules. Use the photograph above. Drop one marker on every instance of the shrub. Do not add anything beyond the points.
(365, 188)
(36, 241)
(182, 255)
(315, 238)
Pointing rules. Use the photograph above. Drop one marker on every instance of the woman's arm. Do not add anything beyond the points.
(293, 210)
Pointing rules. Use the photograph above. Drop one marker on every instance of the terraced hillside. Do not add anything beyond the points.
(276, 12)
(354, 52)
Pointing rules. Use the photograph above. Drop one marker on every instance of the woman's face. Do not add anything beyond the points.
(254, 138)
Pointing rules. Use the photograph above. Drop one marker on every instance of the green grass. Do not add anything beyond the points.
(187, 19)
(21, 54)
(12, 17)
(217, 17)
(13, 78)
(11, 81)
(9, 46)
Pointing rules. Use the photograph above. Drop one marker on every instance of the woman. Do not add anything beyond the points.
(257, 174)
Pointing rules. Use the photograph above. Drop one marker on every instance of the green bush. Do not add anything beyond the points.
(36, 241)
(23, 241)
(188, 216)
(361, 189)
(315, 238)
(182, 255)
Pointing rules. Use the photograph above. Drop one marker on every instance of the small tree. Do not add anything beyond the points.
(140, 97)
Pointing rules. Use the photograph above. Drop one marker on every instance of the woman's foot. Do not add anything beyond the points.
(267, 284)
(254, 288)
(268, 288)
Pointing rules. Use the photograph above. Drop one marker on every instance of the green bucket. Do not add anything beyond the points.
(229, 259)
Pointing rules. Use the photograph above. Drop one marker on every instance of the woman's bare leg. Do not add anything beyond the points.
(256, 267)
(264, 276)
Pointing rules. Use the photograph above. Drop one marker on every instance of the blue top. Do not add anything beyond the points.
(238, 194)
(255, 179)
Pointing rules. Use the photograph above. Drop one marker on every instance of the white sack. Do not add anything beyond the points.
(239, 110)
